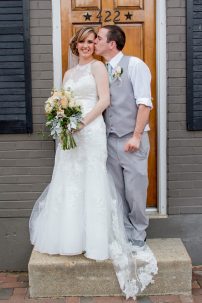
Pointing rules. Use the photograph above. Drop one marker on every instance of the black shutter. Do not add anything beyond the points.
(15, 68)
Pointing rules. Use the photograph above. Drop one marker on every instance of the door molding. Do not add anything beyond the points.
(161, 90)
(57, 43)
(161, 106)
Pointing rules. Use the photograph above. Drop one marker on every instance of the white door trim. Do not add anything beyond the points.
(57, 44)
(161, 90)
(161, 106)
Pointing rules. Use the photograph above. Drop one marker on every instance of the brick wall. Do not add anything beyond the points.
(184, 147)
(26, 161)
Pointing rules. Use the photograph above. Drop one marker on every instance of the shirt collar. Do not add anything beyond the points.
(116, 59)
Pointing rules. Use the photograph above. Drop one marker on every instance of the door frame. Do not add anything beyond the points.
(161, 83)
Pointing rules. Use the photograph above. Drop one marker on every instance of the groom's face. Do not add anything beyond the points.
(101, 45)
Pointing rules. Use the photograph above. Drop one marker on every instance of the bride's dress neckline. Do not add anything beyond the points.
(82, 65)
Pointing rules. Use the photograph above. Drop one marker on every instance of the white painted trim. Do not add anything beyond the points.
(153, 213)
(161, 105)
(161, 90)
(57, 46)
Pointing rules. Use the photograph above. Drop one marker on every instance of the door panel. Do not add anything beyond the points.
(132, 4)
(86, 4)
(137, 18)
(134, 46)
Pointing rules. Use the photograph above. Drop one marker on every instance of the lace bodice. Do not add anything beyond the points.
(82, 83)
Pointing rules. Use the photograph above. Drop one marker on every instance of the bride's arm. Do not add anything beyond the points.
(66, 75)
(101, 78)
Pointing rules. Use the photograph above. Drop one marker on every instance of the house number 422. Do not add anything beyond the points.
(108, 17)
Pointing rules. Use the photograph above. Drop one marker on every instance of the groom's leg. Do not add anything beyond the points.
(136, 182)
(116, 171)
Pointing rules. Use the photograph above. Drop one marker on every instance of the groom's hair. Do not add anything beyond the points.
(115, 33)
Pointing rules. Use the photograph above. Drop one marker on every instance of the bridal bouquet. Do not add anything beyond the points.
(63, 116)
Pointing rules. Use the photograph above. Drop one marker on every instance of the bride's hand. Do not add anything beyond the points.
(80, 127)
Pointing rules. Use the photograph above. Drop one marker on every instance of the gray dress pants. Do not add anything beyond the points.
(130, 174)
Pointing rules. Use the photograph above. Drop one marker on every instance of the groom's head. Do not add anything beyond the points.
(110, 40)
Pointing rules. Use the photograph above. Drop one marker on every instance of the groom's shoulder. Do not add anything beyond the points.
(136, 61)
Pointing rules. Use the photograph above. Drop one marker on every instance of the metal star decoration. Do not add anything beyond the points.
(128, 16)
(87, 16)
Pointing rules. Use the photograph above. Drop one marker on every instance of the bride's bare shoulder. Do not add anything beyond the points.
(67, 74)
(98, 66)
(68, 71)
(98, 63)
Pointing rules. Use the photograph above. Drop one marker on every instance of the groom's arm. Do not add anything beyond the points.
(140, 76)
(142, 119)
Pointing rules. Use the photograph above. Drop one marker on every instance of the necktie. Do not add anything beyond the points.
(109, 69)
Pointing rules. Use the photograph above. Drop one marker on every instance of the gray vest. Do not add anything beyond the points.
(120, 116)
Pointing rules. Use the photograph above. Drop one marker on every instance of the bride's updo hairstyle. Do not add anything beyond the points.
(80, 36)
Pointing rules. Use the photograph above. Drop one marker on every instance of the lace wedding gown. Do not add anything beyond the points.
(80, 211)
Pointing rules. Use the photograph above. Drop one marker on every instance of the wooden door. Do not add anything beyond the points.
(137, 18)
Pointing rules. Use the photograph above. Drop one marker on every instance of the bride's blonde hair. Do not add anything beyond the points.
(80, 36)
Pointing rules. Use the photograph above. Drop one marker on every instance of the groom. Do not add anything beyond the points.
(127, 126)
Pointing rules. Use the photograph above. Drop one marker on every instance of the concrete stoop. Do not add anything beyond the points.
(56, 276)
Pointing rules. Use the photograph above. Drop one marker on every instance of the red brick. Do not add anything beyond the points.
(14, 285)
(130, 301)
(20, 291)
(72, 300)
(165, 299)
(198, 274)
(197, 268)
(32, 301)
(197, 291)
(107, 299)
(86, 299)
(11, 279)
(12, 274)
(23, 277)
(186, 299)
(44, 300)
(2, 279)
(197, 299)
(16, 300)
(3, 274)
(5, 293)
(195, 284)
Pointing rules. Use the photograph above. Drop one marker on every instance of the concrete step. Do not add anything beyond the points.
(54, 276)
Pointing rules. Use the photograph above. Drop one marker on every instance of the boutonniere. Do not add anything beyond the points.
(117, 72)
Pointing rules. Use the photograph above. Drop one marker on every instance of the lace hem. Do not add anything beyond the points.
(134, 271)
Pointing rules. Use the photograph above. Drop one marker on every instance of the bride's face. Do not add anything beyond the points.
(87, 46)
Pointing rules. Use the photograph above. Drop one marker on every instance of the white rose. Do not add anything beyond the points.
(48, 108)
(72, 102)
(118, 69)
(60, 113)
(68, 94)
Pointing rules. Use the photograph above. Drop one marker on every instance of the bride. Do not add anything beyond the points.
(80, 210)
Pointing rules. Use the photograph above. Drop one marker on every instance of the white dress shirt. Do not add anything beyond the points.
(140, 76)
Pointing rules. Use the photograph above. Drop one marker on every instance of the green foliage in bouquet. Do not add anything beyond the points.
(64, 115)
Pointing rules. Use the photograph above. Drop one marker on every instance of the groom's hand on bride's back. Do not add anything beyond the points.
(133, 144)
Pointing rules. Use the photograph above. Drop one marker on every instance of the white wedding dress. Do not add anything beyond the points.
(80, 212)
